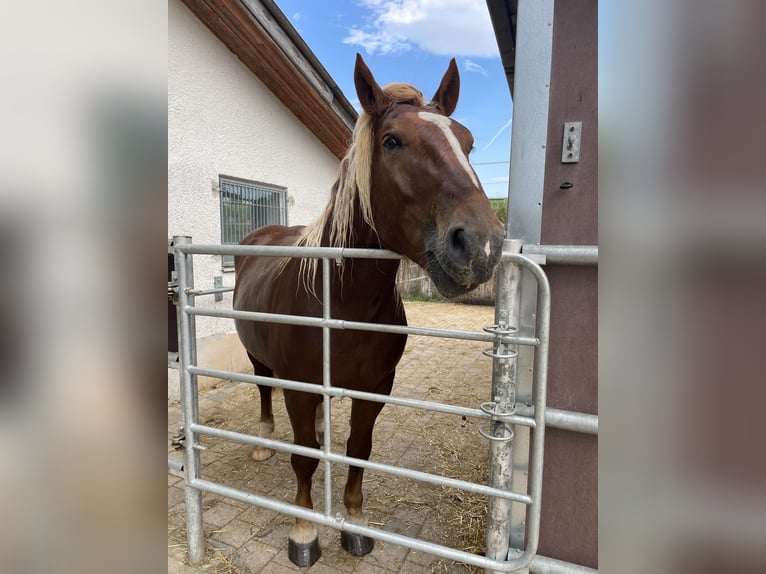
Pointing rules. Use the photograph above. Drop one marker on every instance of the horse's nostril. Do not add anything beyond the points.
(457, 244)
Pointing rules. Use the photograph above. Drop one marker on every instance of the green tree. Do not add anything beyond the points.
(500, 207)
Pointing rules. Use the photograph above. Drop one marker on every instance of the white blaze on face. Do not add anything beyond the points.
(444, 124)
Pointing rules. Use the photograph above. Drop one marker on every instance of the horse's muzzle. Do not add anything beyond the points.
(462, 260)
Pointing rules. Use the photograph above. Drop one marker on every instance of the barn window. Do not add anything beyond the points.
(248, 205)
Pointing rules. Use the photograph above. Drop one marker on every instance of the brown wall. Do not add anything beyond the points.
(570, 486)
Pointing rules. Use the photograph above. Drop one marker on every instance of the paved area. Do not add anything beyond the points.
(244, 539)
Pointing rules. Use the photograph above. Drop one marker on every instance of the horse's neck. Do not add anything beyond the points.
(361, 235)
(367, 275)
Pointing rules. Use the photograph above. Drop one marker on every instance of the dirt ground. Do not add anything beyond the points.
(245, 539)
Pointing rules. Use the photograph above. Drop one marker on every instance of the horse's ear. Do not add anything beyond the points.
(445, 98)
(371, 96)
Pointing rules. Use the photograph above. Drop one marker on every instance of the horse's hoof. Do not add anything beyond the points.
(303, 555)
(356, 544)
(260, 454)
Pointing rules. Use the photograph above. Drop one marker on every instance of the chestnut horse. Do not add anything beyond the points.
(405, 184)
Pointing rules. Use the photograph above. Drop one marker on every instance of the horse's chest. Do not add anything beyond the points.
(367, 347)
(361, 356)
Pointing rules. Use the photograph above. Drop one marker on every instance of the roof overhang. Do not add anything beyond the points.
(503, 16)
(260, 35)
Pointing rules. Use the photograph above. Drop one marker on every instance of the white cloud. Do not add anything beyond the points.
(471, 66)
(376, 42)
(444, 27)
(296, 16)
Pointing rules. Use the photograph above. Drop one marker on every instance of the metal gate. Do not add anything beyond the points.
(500, 413)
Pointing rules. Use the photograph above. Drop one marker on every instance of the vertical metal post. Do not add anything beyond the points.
(177, 302)
(504, 402)
(540, 386)
(326, 314)
(531, 98)
(187, 347)
(529, 136)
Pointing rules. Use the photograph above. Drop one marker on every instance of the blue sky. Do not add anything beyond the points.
(412, 41)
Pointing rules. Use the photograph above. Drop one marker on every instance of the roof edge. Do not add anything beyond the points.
(503, 16)
(274, 21)
(259, 35)
(311, 63)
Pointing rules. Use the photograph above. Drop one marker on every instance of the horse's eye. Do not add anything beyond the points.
(391, 143)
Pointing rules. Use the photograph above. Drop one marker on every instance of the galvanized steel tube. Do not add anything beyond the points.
(341, 393)
(503, 396)
(356, 325)
(326, 385)
(572, 254)
(175, 465)
(540, 384)
(290, 251)
(189, 403)
(211, 291)
(340, 523)
(565, 420)
(565, 254)
(366, 464)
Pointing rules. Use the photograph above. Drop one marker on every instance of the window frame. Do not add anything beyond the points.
(234, 191)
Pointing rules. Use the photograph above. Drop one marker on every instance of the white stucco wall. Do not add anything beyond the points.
(223, 121)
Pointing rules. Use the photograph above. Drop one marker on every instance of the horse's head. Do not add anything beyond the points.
(426, 200)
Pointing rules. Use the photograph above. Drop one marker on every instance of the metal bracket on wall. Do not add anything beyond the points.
(218, 282)
(570, 148)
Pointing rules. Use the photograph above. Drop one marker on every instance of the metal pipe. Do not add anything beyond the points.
(341, 393)
(361, 463)
(175, 465)
(358, 326)
(539, 383)
(574, 254)
(189, 402)
(565, 254)
(340, 523)
(544, 565)
(290, 251)
(504, 398)
(211, 291)
(326, 385)
(565, 420)
(529, 130)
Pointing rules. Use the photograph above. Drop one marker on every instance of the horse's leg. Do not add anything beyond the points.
(303, 543)
(359, 445)
(319, 424)
(265, 427)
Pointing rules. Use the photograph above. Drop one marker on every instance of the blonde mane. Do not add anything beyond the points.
(353, 181)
